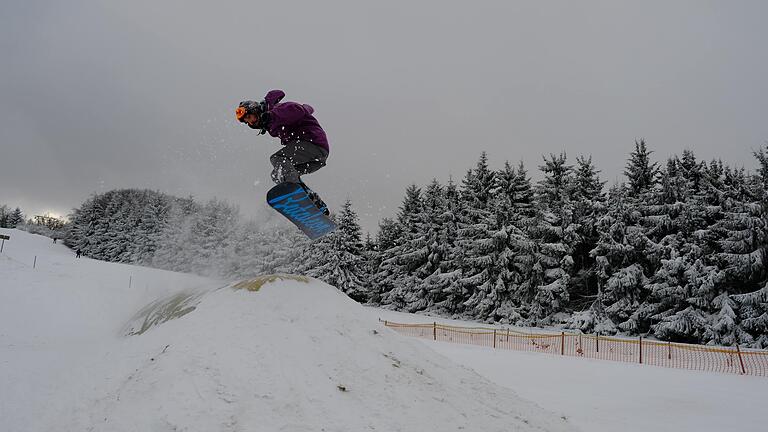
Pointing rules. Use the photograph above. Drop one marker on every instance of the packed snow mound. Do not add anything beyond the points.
(287, 353)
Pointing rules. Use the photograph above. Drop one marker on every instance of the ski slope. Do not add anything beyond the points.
(87, 345)
(606, 396)
(296, 356)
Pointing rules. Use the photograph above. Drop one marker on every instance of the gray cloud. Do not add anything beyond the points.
(95, 96)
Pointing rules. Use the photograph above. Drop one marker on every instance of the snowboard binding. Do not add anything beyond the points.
(315, 199)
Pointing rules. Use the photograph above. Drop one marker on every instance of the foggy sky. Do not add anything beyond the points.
(103, 95)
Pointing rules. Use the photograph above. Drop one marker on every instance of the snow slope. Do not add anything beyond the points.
(290, 356)
(59, 319)
(606, 396)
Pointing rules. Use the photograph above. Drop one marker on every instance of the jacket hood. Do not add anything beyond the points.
(273, 98)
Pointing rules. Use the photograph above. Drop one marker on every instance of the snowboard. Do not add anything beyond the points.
(291, 200)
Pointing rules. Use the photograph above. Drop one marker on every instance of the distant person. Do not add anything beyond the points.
(78, 254)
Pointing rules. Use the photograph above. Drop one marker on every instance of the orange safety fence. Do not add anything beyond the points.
(734, 360)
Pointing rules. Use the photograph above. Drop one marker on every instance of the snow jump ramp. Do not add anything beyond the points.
(290, 353)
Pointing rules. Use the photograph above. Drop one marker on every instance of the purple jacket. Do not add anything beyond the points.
(293, 121)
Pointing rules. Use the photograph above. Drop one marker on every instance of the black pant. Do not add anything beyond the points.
(296, 159)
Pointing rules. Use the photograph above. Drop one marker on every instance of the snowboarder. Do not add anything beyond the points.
(305, 145)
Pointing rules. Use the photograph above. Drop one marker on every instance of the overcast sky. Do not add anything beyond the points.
(103, 95)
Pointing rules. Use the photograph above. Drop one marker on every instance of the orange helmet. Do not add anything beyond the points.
(249, 107)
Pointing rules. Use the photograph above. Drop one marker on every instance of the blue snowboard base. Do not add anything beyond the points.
(292, 201)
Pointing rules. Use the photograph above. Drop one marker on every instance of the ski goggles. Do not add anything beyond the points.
(240, 113)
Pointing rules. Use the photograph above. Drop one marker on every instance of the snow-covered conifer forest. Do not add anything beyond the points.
(676, 251)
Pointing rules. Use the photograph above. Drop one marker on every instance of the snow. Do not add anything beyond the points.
(297, 356)
(291, 356)
(605, 396)
(596, 395)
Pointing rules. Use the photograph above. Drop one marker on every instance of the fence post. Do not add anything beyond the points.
(507, 335)
(669, 350)
(130, 280)
(494, 338)
(597, 342)
(741, 361)
(562, 343)
(434, 330)
(641, 350)
(34, 263)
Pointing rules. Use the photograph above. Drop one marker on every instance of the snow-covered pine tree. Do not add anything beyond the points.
(442, 286)
(482, 244)
(341, 263)
(198, 239)
(762, 169)
(744, 237)
(713, 182)
(620, 276)
(258, 250)
(172, 252)
(370, 253)
(511, 206)
(683, 291)
(425, 251)
(102, 240)
(211, 236)
(660, 218)
(625, 253)
(249, 249)
(522, 195)
(588, 205)
(640, 171)
(80, 225)
(395, 278)
(672, 183)
(387, 237)
(737, 185)
(753, 316)
(418, 252)
(554, 234)
(314, 255)
(4, 216)
(679, 298)
(505, 196)
(284, 247)
(153, 220)
(15, 218)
